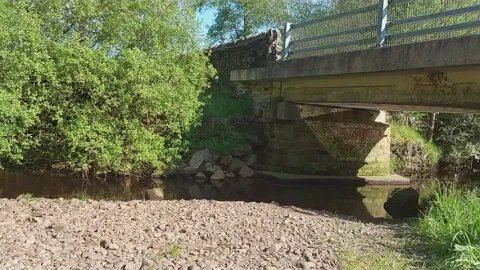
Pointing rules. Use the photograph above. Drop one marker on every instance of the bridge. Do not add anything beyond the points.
(432, 76)
(321, 88)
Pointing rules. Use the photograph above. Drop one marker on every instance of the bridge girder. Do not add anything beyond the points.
(432, 76)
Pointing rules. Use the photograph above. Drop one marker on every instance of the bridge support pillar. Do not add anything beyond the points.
(319, 140)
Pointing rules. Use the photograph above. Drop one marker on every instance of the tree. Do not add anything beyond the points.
(305, 10)
(109, 85)
(237, 19)
(459, 136)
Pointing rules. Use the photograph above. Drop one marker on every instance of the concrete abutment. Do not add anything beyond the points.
(320, 140)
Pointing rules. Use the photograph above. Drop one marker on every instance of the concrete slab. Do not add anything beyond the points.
(423, 55)
(390, 180)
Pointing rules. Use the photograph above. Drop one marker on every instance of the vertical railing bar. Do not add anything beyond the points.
(287, 41)
(382, 23)
(382, 26)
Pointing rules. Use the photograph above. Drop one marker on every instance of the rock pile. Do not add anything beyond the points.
(216, 176)
(204, 165)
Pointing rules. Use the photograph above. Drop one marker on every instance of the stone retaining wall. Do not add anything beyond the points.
(318, 140)
(246, 53)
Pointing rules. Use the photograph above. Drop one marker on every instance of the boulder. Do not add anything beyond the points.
(236, 165)
(189, 170)
(211, 168)
(157, 183)
(226, 161)
(154, 194)
(201, 177)
(219, 175)
(251, 159)
(403, 203)
(157, 174)
(198, 159)
(242, 151)
(230, 175)
(246, 172)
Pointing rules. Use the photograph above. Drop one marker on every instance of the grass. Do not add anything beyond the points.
(355, 260)
(218, 137)
(28, 197)
(82, 196)
(405, 134)
(217, 132)
(449, 232)
(223, 105)
(173, 250)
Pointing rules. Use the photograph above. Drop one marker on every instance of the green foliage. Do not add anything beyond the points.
(416, 120)
(218, 132)
(426, 7)
(83, 196)
(404, 134)
(304, 10)
(219, 137)
(459, 137)
(358, 260)
(27, 197)
(450, 229)
(173, 250)
(366, 39)
(100, 85)
(222, 105)
(237, 19)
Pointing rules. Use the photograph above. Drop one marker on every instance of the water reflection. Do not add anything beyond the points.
(364, 202)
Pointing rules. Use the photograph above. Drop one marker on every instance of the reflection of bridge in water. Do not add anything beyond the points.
(322, 103)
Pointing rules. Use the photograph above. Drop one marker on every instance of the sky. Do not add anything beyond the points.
(206, 17)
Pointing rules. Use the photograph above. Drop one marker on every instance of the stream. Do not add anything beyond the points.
(367, 202)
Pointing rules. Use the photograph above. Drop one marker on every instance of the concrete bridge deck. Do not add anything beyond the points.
(432, 76)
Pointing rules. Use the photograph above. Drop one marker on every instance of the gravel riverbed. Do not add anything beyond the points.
(192, 235)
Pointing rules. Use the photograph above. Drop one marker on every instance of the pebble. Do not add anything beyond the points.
(192, 235)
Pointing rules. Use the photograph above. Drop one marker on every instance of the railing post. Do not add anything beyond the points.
(287, 38)
(382, 23)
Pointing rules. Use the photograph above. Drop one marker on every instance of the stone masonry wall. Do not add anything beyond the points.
(253, 52)
(309, 139)
(246, 53)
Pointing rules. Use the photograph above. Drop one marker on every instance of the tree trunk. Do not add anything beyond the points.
(431, 132)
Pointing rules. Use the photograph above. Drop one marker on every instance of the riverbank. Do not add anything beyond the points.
(197, 234)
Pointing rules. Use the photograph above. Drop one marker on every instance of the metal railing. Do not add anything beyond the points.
(380, 23)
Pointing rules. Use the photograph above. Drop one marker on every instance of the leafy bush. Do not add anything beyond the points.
(218, 132)
(450, 228)
(223, 105)
(459, 136)
(220, 137)
(100, 85)
(404, 134)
